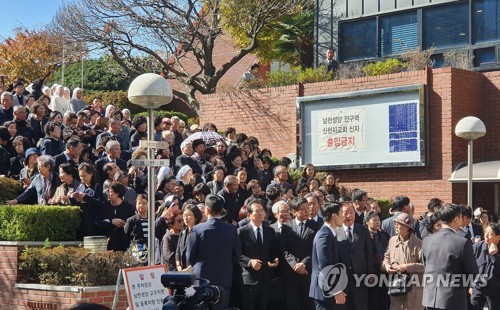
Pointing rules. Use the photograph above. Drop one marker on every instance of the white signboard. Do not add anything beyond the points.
(154, 144)
(144, 288)
(150, 162)
(375, 128)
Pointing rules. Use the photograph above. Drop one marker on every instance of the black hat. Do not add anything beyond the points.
(197, 142)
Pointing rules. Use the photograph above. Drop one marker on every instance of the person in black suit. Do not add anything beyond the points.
(469, 229)
(330, 63)
(192, 216)
(314, 208)
(186, 159)
(325, 253)
(356, 253)
(213, 248)
(43, 185)
(114, 129)
(359, 200)
(113, 151)
(259, 252)
(71, 154)
(447, 254)
(297, 237)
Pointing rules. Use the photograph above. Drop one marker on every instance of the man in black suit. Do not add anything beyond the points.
(259, 253)
(71, 154)
(297, 238)
(113, 151)
(447, 255)
(186, 159)
(114, 129)
(232, 200)
(359, 200)
(325, 253)
(314, 208)
(356, 253)
(469, 229)
(330, 63)
(433, 206)
(399, 205)
(213, 248)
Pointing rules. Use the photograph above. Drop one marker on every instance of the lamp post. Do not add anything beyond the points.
(470, 128)
(150, 91)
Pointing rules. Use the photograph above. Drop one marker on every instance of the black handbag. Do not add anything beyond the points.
(400, 285)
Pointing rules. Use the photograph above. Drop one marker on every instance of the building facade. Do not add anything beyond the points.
(368, 30)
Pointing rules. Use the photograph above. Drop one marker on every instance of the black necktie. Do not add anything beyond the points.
(468, 234)
(259, 237)
(301, 230)
(349, 234)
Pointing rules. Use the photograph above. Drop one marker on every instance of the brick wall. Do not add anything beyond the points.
(13, 298)
(270, 115)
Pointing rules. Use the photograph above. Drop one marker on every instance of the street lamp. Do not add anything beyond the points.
(150, 91)
(470, 128)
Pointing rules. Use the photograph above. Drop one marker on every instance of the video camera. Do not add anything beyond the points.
(195, 297)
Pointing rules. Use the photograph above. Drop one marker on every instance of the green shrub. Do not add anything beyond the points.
(9, 189)
(389, 66)
(385, 205)
(37, 223)
(311, 75)
(168, 114)
(69, 266)
(298, 75)
(281, 78)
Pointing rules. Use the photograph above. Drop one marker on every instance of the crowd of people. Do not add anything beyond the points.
(226, 212)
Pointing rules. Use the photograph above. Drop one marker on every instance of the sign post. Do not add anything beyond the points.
(150, 91)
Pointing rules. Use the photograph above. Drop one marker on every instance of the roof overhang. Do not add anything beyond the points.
(486, 172)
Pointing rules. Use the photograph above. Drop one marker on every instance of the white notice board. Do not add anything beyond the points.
(144, 288)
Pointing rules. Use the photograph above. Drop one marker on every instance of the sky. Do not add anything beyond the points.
(32, 14)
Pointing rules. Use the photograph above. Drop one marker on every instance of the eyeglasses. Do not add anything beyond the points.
(179, 221)
(167, 123)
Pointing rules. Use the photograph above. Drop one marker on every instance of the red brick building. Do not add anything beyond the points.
(270, 114)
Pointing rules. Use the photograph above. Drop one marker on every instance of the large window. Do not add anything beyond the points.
(359, 40)
(485, 20)
(398, 33)
(446, 26)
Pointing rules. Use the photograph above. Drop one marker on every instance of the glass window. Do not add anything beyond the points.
(446, 26)
(484, 56)
(358, 40)
(398, 33)
(485, 20)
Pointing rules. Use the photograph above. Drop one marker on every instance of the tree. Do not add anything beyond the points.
(102, 74)
(178, 36)
(289, 38)
(31, 54)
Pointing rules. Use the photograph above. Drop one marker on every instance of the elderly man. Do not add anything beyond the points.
(43, 186)
(23, 127)
(280, 177)
(113, 151)
(232, 200)
(6, 110)
(114, 129)
(187, 159)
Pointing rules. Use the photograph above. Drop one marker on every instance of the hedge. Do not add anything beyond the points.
(9, 189)
(70, 266)
(38, 223)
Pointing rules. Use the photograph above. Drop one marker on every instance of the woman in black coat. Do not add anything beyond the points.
(192, 216)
